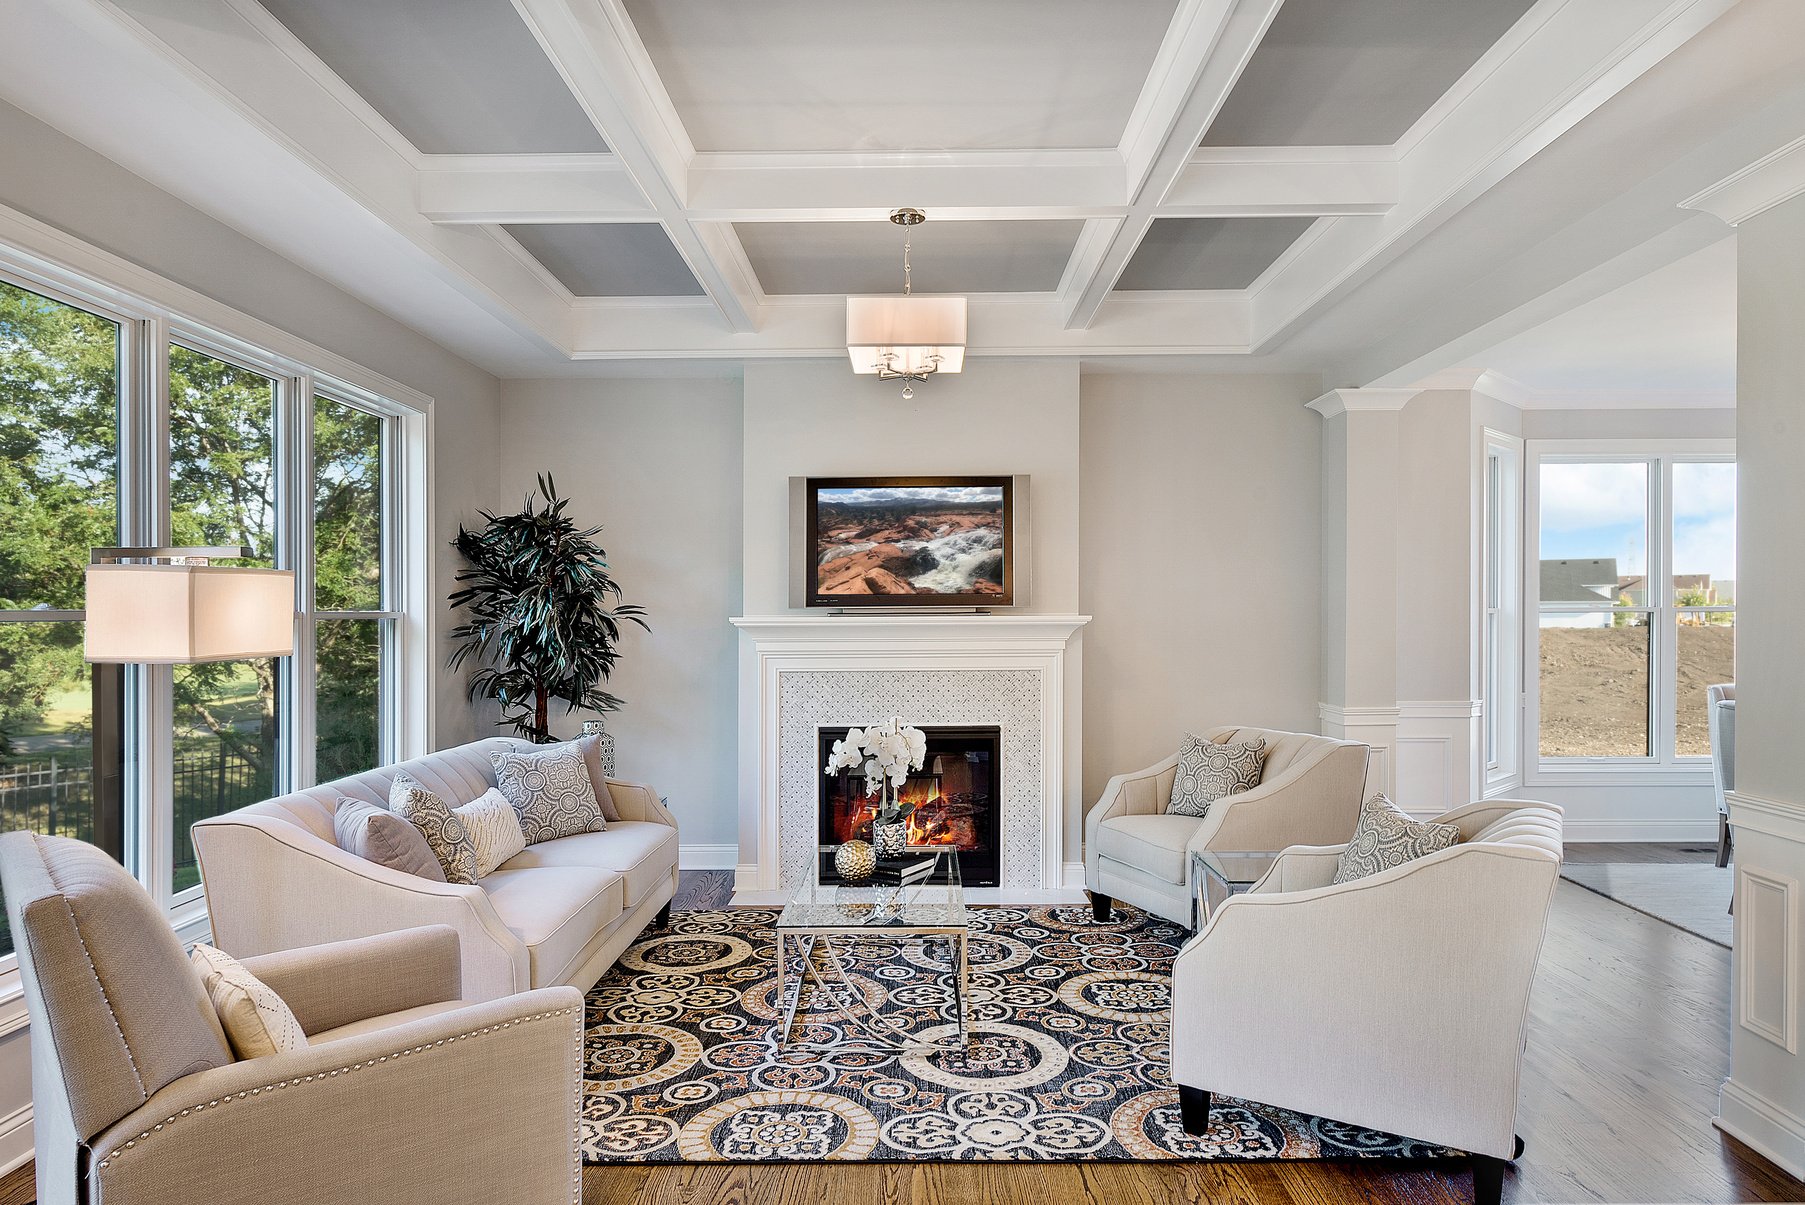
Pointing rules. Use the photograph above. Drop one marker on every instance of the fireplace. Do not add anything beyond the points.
(957, 796)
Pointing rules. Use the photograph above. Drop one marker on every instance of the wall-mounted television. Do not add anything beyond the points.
(909, 541)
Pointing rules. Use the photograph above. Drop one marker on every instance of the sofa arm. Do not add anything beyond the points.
(273, 886)
(636, 801)
(1300, 868)
(346, 981)
(464, 1108)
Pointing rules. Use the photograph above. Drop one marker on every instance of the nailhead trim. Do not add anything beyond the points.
(248, 1093)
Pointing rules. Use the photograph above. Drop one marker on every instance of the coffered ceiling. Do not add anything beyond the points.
(548, 182)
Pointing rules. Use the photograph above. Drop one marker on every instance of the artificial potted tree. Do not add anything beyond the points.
(544, 616)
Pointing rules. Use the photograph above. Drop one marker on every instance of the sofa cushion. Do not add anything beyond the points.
(443, 829)
(377, 835)
(1155, 844)
(556, 911)
(641, 851)
(386, 1021)
(257, 1021)
(494, 829)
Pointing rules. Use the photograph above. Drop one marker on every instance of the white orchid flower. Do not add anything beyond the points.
(918, 746)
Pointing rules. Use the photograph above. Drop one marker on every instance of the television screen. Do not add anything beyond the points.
(909, 541)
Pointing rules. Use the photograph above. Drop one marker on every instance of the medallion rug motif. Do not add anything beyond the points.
(1067, 1060)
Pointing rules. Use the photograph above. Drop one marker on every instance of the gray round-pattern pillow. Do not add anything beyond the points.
(1208, 772)
(551, 791)
(449, 840)
(1385, 837)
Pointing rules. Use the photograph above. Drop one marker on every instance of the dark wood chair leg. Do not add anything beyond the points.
(1100, 906)
(663, 919)
(1194, 1110)
(1488, 1180)
(1516, 1150)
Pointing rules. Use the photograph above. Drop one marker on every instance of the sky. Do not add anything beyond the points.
(1599, 510)
(919, 493)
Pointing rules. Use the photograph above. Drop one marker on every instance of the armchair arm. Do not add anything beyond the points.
(257, 869)
(1133, 794)
(1315, 799)
(1397, 1001)
(635, 801)
(473, 1106)
(345, 981)
(1301, 868)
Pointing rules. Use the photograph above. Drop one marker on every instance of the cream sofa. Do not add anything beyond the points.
(1309, 794)
(404, 1095)
(559, 912)
(1398, 1002)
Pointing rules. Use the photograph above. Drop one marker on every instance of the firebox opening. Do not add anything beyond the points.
(956, 794)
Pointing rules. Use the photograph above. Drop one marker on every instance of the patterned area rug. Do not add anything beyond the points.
(1067, 1061)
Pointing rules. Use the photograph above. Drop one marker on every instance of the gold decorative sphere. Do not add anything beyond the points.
(855, 860)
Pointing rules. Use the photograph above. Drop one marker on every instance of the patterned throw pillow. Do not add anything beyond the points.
(1385, 837)
(1208, 772)
(550, 791)
(492, 823)
(382, 837)
(257, 1021)
(444, 832)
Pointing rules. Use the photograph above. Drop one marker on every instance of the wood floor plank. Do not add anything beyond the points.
(19, 1186)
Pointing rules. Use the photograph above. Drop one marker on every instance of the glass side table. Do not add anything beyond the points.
(1217, 874)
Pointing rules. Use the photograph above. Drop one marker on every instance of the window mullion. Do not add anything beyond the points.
(294, 522)
(151, 686)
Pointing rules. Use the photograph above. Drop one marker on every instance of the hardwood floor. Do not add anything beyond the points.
(1628, 1041)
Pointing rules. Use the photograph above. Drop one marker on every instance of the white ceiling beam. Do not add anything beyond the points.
(593, 45)
(1006, 325)
(1206, 48)
(1306, 181)
(486, 189)
(1555, 67)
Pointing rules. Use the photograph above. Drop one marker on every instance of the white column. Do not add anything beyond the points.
(1360, 467)
(1763, 1101)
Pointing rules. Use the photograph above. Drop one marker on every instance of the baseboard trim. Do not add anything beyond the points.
(1698, 831)
(16, 1139)
(1768, 1127)
(708, 857)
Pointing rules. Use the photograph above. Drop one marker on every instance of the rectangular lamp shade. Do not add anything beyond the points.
(914, 328)
(178, 614)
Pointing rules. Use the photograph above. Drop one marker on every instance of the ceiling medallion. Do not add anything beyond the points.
(906, 338)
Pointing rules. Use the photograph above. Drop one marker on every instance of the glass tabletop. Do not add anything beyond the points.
(1237, 868)
(935, 902)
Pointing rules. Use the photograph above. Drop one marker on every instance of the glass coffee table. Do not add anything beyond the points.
(1217, 874)
(820, 911)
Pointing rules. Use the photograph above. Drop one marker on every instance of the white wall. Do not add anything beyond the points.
(63, 184)
(1198, 540)
(657, 463)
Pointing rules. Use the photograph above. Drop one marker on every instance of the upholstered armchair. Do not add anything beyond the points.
(404, 1095)
(1310, 792)
(1720, 704)
(1396, 1002)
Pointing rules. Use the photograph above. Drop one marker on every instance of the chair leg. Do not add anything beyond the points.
(663, 919)
(1100, 906)
(1516, 1150)
(1488, 1180)
(1194, 1110)
(1723, 840)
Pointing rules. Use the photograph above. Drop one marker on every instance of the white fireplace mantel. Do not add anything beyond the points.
(1006, 669)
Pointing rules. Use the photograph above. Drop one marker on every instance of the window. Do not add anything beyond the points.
(59, 494)
(1501, 676)
(1635, 609)
(149, 418)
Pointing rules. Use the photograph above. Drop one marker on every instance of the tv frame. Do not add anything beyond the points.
(812, 596)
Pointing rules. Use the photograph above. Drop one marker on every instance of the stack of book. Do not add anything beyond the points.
(905, 871)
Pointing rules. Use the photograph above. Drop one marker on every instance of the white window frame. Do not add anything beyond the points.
(1663, 766)
(1500, 613)
(153, 312)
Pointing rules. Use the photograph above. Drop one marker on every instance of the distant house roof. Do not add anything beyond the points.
(1586, 581)
(1636, 584)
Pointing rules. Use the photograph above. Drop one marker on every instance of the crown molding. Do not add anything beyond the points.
(1771, 180)
(1337, 402)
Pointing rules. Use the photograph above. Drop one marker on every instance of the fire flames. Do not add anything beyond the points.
(936, 820)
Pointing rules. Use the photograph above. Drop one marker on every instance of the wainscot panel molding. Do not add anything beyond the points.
(1435, 768)
(1377, 727)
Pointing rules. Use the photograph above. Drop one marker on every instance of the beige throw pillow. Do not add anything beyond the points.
(256, 1020)
(380, 836)
(494, 827)
(444, 832)
(598, 777)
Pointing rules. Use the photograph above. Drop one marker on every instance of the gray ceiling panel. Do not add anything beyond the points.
(454, 76)
(623, 259)
(1356, 72)
(1209, 253)
(949, 257)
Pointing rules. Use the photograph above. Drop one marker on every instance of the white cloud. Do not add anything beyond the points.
(872, 496)
(1704, 491)
(1706, 547)
(1578, 496)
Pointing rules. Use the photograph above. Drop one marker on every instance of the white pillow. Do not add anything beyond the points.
(495, 828)
(257, 1021)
